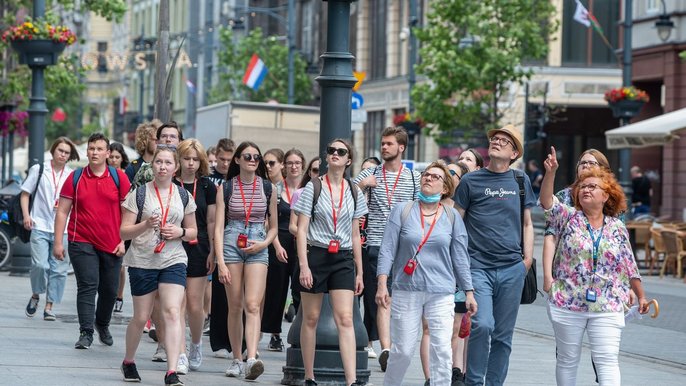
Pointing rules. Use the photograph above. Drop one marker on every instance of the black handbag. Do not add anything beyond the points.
(530, 289)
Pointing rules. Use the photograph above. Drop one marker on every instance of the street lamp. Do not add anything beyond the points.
(664, 24)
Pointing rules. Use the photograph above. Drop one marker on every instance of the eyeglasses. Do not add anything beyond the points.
(314, 170)
(163, 146)
(431, 176)
(589, 163)
(270, 163)
(251, 157)
(336, 150)
(501, 141)
(293, 163)
(452, 172)
(590, 187)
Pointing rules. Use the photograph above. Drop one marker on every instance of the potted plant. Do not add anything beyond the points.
(626, 102)
(38, 42)
(13, 122)
(412, 126)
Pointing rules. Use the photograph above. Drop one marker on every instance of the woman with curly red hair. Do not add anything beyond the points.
(593, 270)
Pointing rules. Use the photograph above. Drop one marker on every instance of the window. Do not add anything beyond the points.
(652, 6)
(102, 60)
(306, 33)
(377, 27)
(584, 47)
(376, 121)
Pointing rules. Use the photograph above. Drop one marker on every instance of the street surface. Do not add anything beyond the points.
(36, 352)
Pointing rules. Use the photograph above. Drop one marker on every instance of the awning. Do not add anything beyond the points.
(655, 131)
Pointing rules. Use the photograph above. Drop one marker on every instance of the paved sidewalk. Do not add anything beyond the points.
(36, 352)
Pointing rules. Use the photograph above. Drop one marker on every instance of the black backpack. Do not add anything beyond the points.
(16, 216)
(227, 186)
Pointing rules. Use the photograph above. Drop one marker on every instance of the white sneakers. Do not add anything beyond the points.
(222, 353)
(235, 369)
(182, 365)
(160, 354)
(371, 354)
(253, 369)
(195, 356)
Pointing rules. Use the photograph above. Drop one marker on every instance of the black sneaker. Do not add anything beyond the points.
(118, 305)
(130, 372)
(457, 378)
(32, 307)
(427, 382)
(310, 382)
(172, 380)
(85, 340)
(153, 334)
(383, 359)
(275, 344)
(104, 335)
(357, 383)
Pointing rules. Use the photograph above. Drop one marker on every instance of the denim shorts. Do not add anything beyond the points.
(255, 232)
(144, 281)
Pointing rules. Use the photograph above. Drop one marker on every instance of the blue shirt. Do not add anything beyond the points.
(492, 216)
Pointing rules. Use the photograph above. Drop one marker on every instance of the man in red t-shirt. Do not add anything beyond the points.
(93, 205)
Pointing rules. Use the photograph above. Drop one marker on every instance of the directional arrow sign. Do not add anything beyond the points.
(357, 101)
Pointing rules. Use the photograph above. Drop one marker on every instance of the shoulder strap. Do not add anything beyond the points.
(140, 201)
(414, 190)
(114, 174)
(406, 211)
(77, 177)
(451, 215)
(227, 187)
(267, 188)
(520, 181)
(184, 195)
(317, 185)
(353, 192)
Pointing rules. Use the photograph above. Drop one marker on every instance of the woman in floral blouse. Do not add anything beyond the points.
(593, 271)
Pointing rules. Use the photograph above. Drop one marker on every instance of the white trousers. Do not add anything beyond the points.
(407, 309)
(604, 331)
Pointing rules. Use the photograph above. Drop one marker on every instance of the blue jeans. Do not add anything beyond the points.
(48, 274)
(497, 292)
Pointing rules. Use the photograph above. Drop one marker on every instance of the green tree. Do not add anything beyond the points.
(471, 52)
(234, 58)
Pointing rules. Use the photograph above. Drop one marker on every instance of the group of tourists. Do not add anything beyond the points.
(219, 237)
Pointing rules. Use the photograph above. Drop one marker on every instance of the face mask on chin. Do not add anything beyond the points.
(431, 199)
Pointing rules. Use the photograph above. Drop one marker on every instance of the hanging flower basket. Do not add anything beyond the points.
(38, 42)
(13, 122)
(626, 102)
(412, 126)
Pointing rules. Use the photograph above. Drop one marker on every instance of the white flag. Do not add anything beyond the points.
(581, 14)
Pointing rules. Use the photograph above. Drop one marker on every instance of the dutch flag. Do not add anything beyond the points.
(255, 73)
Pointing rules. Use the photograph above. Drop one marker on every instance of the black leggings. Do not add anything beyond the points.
(278, 276)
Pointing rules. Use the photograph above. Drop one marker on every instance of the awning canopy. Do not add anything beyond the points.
(655, 131)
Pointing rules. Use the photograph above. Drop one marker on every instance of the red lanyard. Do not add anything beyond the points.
(248, 210)
(159, 198)
(390, 197)
(288, 192)
(340, 202)
(55, 181)
(431, 228)
(195, 185)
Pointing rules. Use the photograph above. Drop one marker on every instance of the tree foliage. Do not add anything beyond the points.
(471, 52)
(234, 58)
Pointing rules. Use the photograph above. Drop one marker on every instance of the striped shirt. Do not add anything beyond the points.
(320, 232)
(407, 190)
(237, 209)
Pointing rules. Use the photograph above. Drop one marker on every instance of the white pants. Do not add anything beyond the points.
(604, 334)
(407, 309)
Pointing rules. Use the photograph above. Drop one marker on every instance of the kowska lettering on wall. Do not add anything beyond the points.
(118, 61)
(499, 192)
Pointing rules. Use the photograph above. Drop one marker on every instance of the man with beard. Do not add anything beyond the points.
(488, 200)
(386, 185)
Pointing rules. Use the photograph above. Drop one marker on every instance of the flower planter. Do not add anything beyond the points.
(625, 108)
(39, 52)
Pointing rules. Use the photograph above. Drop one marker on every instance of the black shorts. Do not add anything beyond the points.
(330, 271)
(197, 258)
(460, 308)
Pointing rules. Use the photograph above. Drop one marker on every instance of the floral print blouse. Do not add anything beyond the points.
(573, 262)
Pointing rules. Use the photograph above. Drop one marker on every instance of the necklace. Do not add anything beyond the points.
(429, 214)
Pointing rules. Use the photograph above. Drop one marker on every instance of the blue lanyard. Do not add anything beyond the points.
(596, 242)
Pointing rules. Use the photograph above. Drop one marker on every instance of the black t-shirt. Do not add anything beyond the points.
(641, 188)
(217, 178)
(205, 195)
(283, 207)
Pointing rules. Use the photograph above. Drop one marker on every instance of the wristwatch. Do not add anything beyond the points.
(183, 232)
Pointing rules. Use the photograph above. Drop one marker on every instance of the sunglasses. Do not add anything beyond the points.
(271, 163)
(251, 157)
(163, 146)
(336, 150)
(314, 170)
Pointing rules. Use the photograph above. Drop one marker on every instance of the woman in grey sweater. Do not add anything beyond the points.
(424, 249)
